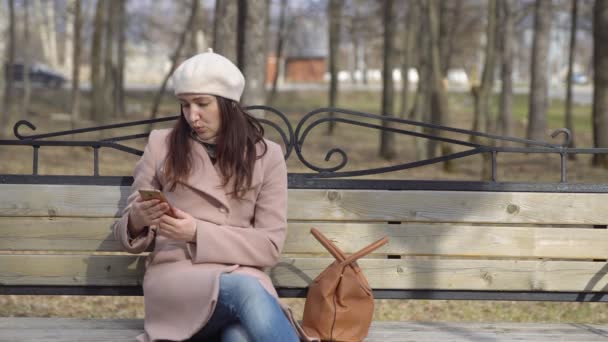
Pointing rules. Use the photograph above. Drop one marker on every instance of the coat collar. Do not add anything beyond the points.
(204, 176)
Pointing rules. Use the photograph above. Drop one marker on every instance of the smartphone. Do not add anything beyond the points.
(150, 194)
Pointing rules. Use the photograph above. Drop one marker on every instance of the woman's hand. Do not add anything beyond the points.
(182, 228)
(146, 213)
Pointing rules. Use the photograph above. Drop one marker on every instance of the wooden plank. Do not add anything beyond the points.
(69, 323)
(343, 205)
(455, 240)
(58, 335)
(497, 275)
(71, 329)
(57, 234)
(94, 234)
(62, 200)
(71, 269)
(448, 206)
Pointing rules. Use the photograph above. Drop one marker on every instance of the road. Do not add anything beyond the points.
(583, 94)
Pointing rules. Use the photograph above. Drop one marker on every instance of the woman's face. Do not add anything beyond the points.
(202, 114)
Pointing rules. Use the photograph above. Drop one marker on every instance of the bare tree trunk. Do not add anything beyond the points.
(449, 19)
(52, 34)
(387, 139)
(225, 29)
(506, 95)
(174, 58)
(240, 33)
(334, 14)
(193, 47)
(357, 58)
(482, 95)
(539, 86)
(68, 38)
(421, 107)
(8, 86)
(109, 67)
(121, 26)
(409, 37)
(439, 112)
(600, 80)
(483, 119)
(27, 86)
(363, 58)
(255, 50)
(75, 96)
(3, 55)
(43, 29)
(279, 50)
(573, 28)
(97, 71)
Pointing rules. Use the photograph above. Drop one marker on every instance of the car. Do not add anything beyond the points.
(40, 74)
(580, 79)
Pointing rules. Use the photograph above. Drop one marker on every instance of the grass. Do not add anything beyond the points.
(361, 145)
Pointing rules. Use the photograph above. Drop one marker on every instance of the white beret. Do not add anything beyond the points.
(209, 73)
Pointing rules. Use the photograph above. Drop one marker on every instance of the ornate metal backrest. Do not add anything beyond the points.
(294, 140)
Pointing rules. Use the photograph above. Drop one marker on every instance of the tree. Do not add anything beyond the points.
(505, 112)
(97, 71)
(52, 33)
(539, 85)
(175, 57)
(408, 55)
(482, 93)
(421, 107)
(387, 139)
(253, 59)
(8, 86)
(572, 48)
(279, 49)
(225, 29)
(45, 18)
(449, 21)
(121, 27)
(109, 75)
(76, 41)
(600, 80)
(334, 14)
(27, 87)
(439, 99)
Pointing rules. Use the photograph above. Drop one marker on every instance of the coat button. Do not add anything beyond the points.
(222, 210)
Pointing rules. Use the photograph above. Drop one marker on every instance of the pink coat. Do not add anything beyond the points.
(181, 281)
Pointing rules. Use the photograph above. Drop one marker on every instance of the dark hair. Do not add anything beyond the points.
(236, 153)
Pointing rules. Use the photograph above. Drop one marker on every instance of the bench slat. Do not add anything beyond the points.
(497, 275)
(71, 329)
(94, 234)
(343, 205)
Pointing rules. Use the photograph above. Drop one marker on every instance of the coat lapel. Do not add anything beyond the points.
(204, 176)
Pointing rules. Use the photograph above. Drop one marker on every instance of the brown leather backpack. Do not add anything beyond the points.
(340, 305)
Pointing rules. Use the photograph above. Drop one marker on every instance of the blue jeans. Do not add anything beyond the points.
(245, 311)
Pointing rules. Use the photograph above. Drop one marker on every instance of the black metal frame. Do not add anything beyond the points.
(294, 140)
(301, 293)
(330, 177)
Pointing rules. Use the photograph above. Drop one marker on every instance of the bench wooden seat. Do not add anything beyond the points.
(122, 330)
(486, 245)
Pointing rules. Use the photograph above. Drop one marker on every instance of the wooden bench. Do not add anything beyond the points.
(454, 240)
(448, 240)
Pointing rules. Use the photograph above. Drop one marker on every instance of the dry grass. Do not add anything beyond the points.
(361, 145)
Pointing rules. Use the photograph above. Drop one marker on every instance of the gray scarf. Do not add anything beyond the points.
(210, 148)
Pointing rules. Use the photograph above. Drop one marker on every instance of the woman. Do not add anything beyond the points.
(227, 187)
